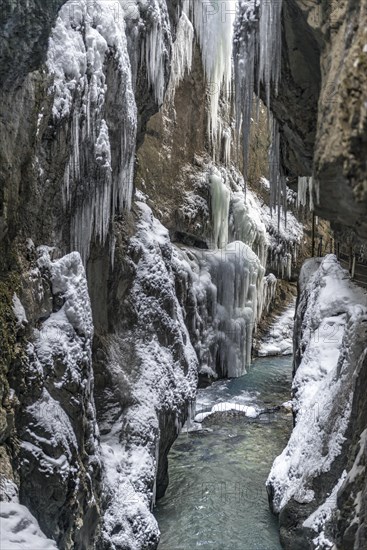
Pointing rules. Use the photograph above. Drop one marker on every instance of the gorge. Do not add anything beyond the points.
(172, 174)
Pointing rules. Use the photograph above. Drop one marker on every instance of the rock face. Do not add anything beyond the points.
(321, 105)
(321, 109)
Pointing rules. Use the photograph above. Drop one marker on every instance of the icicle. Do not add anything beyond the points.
(220, 198)
(257, 45)
(182, 51)
(226, 138)
(213, 21)
(305, 187)
(79, 44)
(270, 43)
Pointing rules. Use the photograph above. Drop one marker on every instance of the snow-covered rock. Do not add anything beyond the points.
(279, 338)
(331, 324)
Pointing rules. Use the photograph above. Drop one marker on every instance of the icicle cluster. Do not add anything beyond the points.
(155, 50)
(87, 36)
(305, 187)
(257, 58)
(213, 21)
(278, 182)
(79, 45)
(182, 51)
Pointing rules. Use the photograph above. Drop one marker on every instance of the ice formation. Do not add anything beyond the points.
(85, 39)
(182, 51)
(225, 305)
(305, 189)
(257, 61)
(213, 22)
(220, 197)
(335, 312)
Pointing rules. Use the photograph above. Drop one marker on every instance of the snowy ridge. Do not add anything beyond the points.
(335, 311)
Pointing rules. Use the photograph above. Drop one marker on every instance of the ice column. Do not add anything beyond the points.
(220, 199)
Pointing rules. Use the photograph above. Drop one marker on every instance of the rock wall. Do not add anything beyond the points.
(321, 104)
(126, 246)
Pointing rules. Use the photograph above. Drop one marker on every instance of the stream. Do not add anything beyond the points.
(216, 499)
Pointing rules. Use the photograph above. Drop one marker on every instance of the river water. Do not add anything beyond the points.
(216, 499)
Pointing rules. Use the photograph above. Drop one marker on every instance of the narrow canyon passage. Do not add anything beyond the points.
(183, 205)
(217, 497)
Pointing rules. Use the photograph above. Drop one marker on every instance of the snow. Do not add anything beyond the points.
(19, 311)
(161, 381)
(20, 529)
(279, 339)
(317, 520)
(335, 310)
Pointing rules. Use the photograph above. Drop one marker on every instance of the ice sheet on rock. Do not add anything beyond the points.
(20, 529)
(335, 311)
(220, 197)
(279, 340)
(227, 287)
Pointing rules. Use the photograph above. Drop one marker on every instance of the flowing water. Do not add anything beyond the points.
(216, 499)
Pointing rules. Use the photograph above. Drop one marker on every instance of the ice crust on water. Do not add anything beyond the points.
(335, 311)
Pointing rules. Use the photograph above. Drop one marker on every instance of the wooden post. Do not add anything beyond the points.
(331, 245)
(338, 250)
(313, 235)
(350, 259)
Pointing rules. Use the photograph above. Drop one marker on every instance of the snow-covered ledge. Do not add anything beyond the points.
(330, 340)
